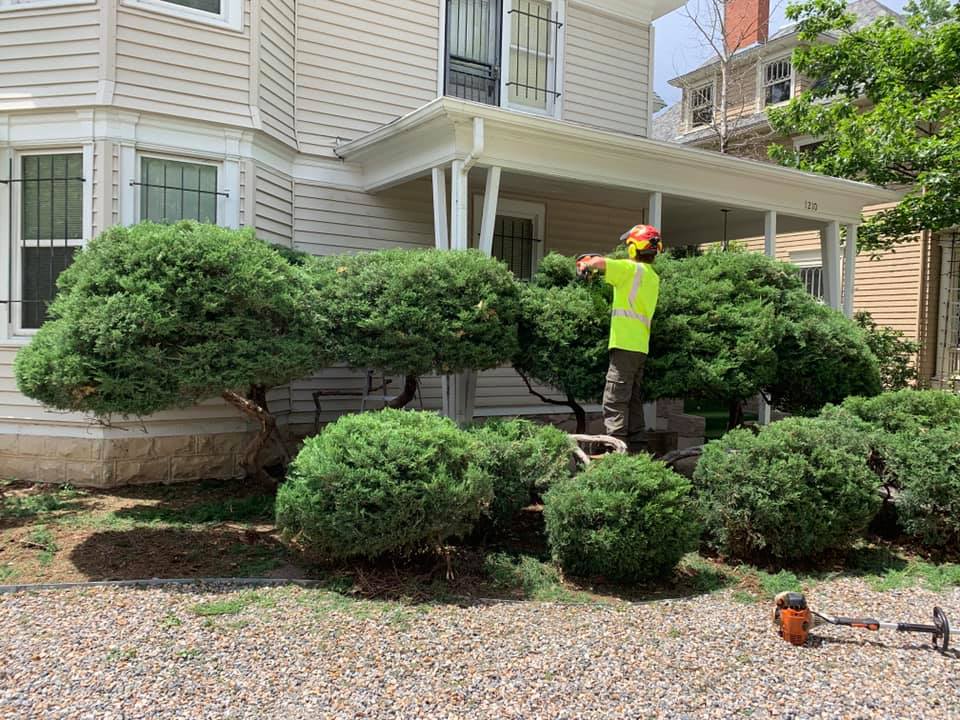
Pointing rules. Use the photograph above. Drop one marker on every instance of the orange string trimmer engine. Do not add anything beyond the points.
(792, 617)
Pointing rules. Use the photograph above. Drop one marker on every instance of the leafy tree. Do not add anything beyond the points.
(907, 133)
(154, 317)
(897, 354)
(415, 312)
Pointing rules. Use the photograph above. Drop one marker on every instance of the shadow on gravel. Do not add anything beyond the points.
(215, 551)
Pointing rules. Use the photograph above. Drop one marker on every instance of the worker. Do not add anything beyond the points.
(636, 288)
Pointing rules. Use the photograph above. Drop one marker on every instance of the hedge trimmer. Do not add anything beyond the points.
(793, 620)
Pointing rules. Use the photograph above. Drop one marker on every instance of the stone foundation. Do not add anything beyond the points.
(112, 462)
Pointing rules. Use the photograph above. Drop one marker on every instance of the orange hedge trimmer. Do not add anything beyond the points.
(793, 620)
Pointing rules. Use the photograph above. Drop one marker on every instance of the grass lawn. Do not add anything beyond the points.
(225, 529)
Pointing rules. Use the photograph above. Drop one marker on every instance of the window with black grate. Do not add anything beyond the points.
(513, 242)
(171, 190)
(812, 278)
(51, 228)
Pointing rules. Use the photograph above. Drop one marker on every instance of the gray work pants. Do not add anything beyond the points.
(623, 398)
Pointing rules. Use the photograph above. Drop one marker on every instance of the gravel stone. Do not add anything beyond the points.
(298, 653)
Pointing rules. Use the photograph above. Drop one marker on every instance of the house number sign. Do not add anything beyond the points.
(811, 205)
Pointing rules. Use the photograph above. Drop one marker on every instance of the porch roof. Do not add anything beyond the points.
(444, 130)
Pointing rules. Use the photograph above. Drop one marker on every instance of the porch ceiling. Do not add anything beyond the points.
(695, 183)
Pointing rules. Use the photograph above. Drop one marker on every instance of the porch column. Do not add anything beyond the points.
(655, 210)
(458, 206)
(441, 237)
(770, 250)
(830, 257)
(490, 198)
(849, 269)
(654, 218)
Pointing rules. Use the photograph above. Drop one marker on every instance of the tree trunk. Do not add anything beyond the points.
(736, 414)
(409, 391)
(252, 408)
(579, 413)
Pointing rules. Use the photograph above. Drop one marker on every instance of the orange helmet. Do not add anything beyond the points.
(642, 240)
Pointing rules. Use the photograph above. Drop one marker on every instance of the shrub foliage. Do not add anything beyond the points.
(627, 518)
(389, 482)
(159, 316)
(798, 489)
(897, 354)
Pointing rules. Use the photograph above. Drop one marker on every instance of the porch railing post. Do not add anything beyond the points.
(849, 269)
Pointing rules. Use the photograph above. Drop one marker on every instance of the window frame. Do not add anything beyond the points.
(14, 324)
(691, 108)
(218, 165)
(555, 64)
(762, 80)
(230, 16)
(523, 209)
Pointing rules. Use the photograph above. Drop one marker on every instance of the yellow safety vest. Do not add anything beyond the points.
(636, 288)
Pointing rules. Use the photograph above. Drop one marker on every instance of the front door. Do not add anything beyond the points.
(473, 50)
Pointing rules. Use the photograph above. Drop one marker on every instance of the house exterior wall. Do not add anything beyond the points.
(276, 58)
(606, 73)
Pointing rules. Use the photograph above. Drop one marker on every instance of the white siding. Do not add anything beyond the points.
(277, 77)
(181, 68)
(49, 57)
(361, 64)
(274, 207)
(606, 71)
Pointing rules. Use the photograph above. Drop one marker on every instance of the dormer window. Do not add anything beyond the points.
(777, 81)
(701, 106)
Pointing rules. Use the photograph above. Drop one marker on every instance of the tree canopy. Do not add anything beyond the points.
(886, 105)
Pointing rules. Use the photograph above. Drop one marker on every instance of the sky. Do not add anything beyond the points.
(679, 46)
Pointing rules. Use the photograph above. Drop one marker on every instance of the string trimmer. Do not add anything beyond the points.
(794, 620)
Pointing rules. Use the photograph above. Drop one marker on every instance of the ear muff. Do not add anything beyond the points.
(632, 250)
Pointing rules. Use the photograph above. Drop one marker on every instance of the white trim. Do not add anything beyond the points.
(441, 224)
(650, 79)
(6, 241)
(806, 258)
(491, 198)
(230, 16)
(849, 269)
(830, 255)
(441, 48)
(511, 207)
(14, 5)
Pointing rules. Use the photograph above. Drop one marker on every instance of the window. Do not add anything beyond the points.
(504, 52)
(517, 234)
(171, 190)
(777, 81)
(51, 229)
(701, 106)
(222, 13)
(811, 271)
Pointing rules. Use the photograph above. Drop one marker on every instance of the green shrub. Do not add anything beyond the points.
(162, 316)
(907, 410)
(927, 464)
(897, 354)
(798, 489)
(388, 482)
(414, 312)
(521, 456)
(823, 357)
(627, 518)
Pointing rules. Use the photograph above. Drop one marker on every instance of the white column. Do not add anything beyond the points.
(458, 206)
(441, 237)
(655, 210)
(770, 250)
(128, 192)
(830, 258)
(6, 242)
(489, 220)
(849, 269)
(231, 184)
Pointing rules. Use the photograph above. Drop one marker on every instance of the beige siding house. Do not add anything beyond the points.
(914, 289)
(516, 126)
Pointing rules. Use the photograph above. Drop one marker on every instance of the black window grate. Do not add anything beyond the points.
(812, 278)
(513, 243)
(171, 190)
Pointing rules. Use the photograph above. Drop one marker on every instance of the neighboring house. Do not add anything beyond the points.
(915, 289)
(340, 127)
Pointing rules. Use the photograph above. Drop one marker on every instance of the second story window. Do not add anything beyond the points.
(777, 81)
(701, 106)
(504, 52)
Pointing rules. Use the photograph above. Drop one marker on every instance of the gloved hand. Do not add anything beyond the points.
(584, 271)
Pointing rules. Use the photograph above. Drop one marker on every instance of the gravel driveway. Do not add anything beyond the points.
(297, 653)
